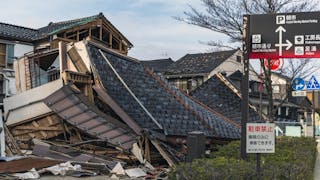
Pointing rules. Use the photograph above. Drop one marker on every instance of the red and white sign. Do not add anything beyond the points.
(260, 138)
(275, 64)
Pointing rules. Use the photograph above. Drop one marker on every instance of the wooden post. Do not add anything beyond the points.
(110, 40)
(120, 45)
(63, 57)
(78, 35)
(100, 33)
(147, 149)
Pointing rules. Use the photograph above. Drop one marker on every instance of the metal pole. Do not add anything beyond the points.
(313, 115)
(2, 137)
(245, 87)
(258, 169)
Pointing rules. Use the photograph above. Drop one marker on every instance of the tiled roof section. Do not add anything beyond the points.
(73, 107)
(176, 113)
(301, 101)
(19, 33)
(26, 34)
(159, 65)
(218, 96)
(236, 75)
(199, 63)
(53, 28)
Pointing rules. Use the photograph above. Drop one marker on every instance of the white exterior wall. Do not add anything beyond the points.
(231, 65)
(277, 80)
(29, 104)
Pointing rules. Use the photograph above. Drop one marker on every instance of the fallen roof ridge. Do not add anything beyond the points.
(179, 99)
(99, 45)
(234, 89)
(228, 84)
(130, 92)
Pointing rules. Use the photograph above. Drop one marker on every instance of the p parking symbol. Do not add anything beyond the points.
(281, 19)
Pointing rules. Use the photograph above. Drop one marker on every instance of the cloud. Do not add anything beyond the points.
(161, 36)
(148, 24)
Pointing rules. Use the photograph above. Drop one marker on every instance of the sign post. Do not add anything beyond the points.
(313, 85)
(274, 36)
(298, 85)
(260, 139)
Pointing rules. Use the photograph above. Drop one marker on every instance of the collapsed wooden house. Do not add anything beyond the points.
(106, 95)
(90, 93)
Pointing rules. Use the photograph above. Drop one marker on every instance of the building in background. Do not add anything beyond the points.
(190, 71)
(158, 66)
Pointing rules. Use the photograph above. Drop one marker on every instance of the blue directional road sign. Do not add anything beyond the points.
(298, 84)
(313, 84)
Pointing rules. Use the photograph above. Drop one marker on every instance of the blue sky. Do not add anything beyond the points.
(148, 24)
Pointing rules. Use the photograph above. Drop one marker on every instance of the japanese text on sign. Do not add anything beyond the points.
(260, 138)
(288, 35)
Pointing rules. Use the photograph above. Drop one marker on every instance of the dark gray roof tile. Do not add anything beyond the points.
(28, 35)
(199, 63)
(218, 96)
(74, 108)
(159, 65)
(52, 28)
(176, 113)
(18, 33)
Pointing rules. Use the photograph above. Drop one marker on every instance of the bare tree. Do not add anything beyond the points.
(225, 16)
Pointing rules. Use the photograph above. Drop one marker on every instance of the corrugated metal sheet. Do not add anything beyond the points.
(72, 106)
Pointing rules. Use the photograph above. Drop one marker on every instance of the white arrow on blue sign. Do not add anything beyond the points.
(298, 84)
(313, 84)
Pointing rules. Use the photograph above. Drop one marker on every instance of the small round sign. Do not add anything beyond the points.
(275, 64)
(298, 84)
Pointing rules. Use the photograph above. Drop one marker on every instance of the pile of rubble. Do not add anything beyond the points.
(82, 159)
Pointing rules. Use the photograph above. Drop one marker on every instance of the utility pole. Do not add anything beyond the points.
(245, 87)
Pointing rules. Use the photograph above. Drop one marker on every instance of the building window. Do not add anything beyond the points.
(191, 84)
(184, 85)
(3, 55)
(239, 59)
(83, 34)
(95, 32)
(106, 36)
(115, 43)
(10, 54)
(276, 88)
(6, 54)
